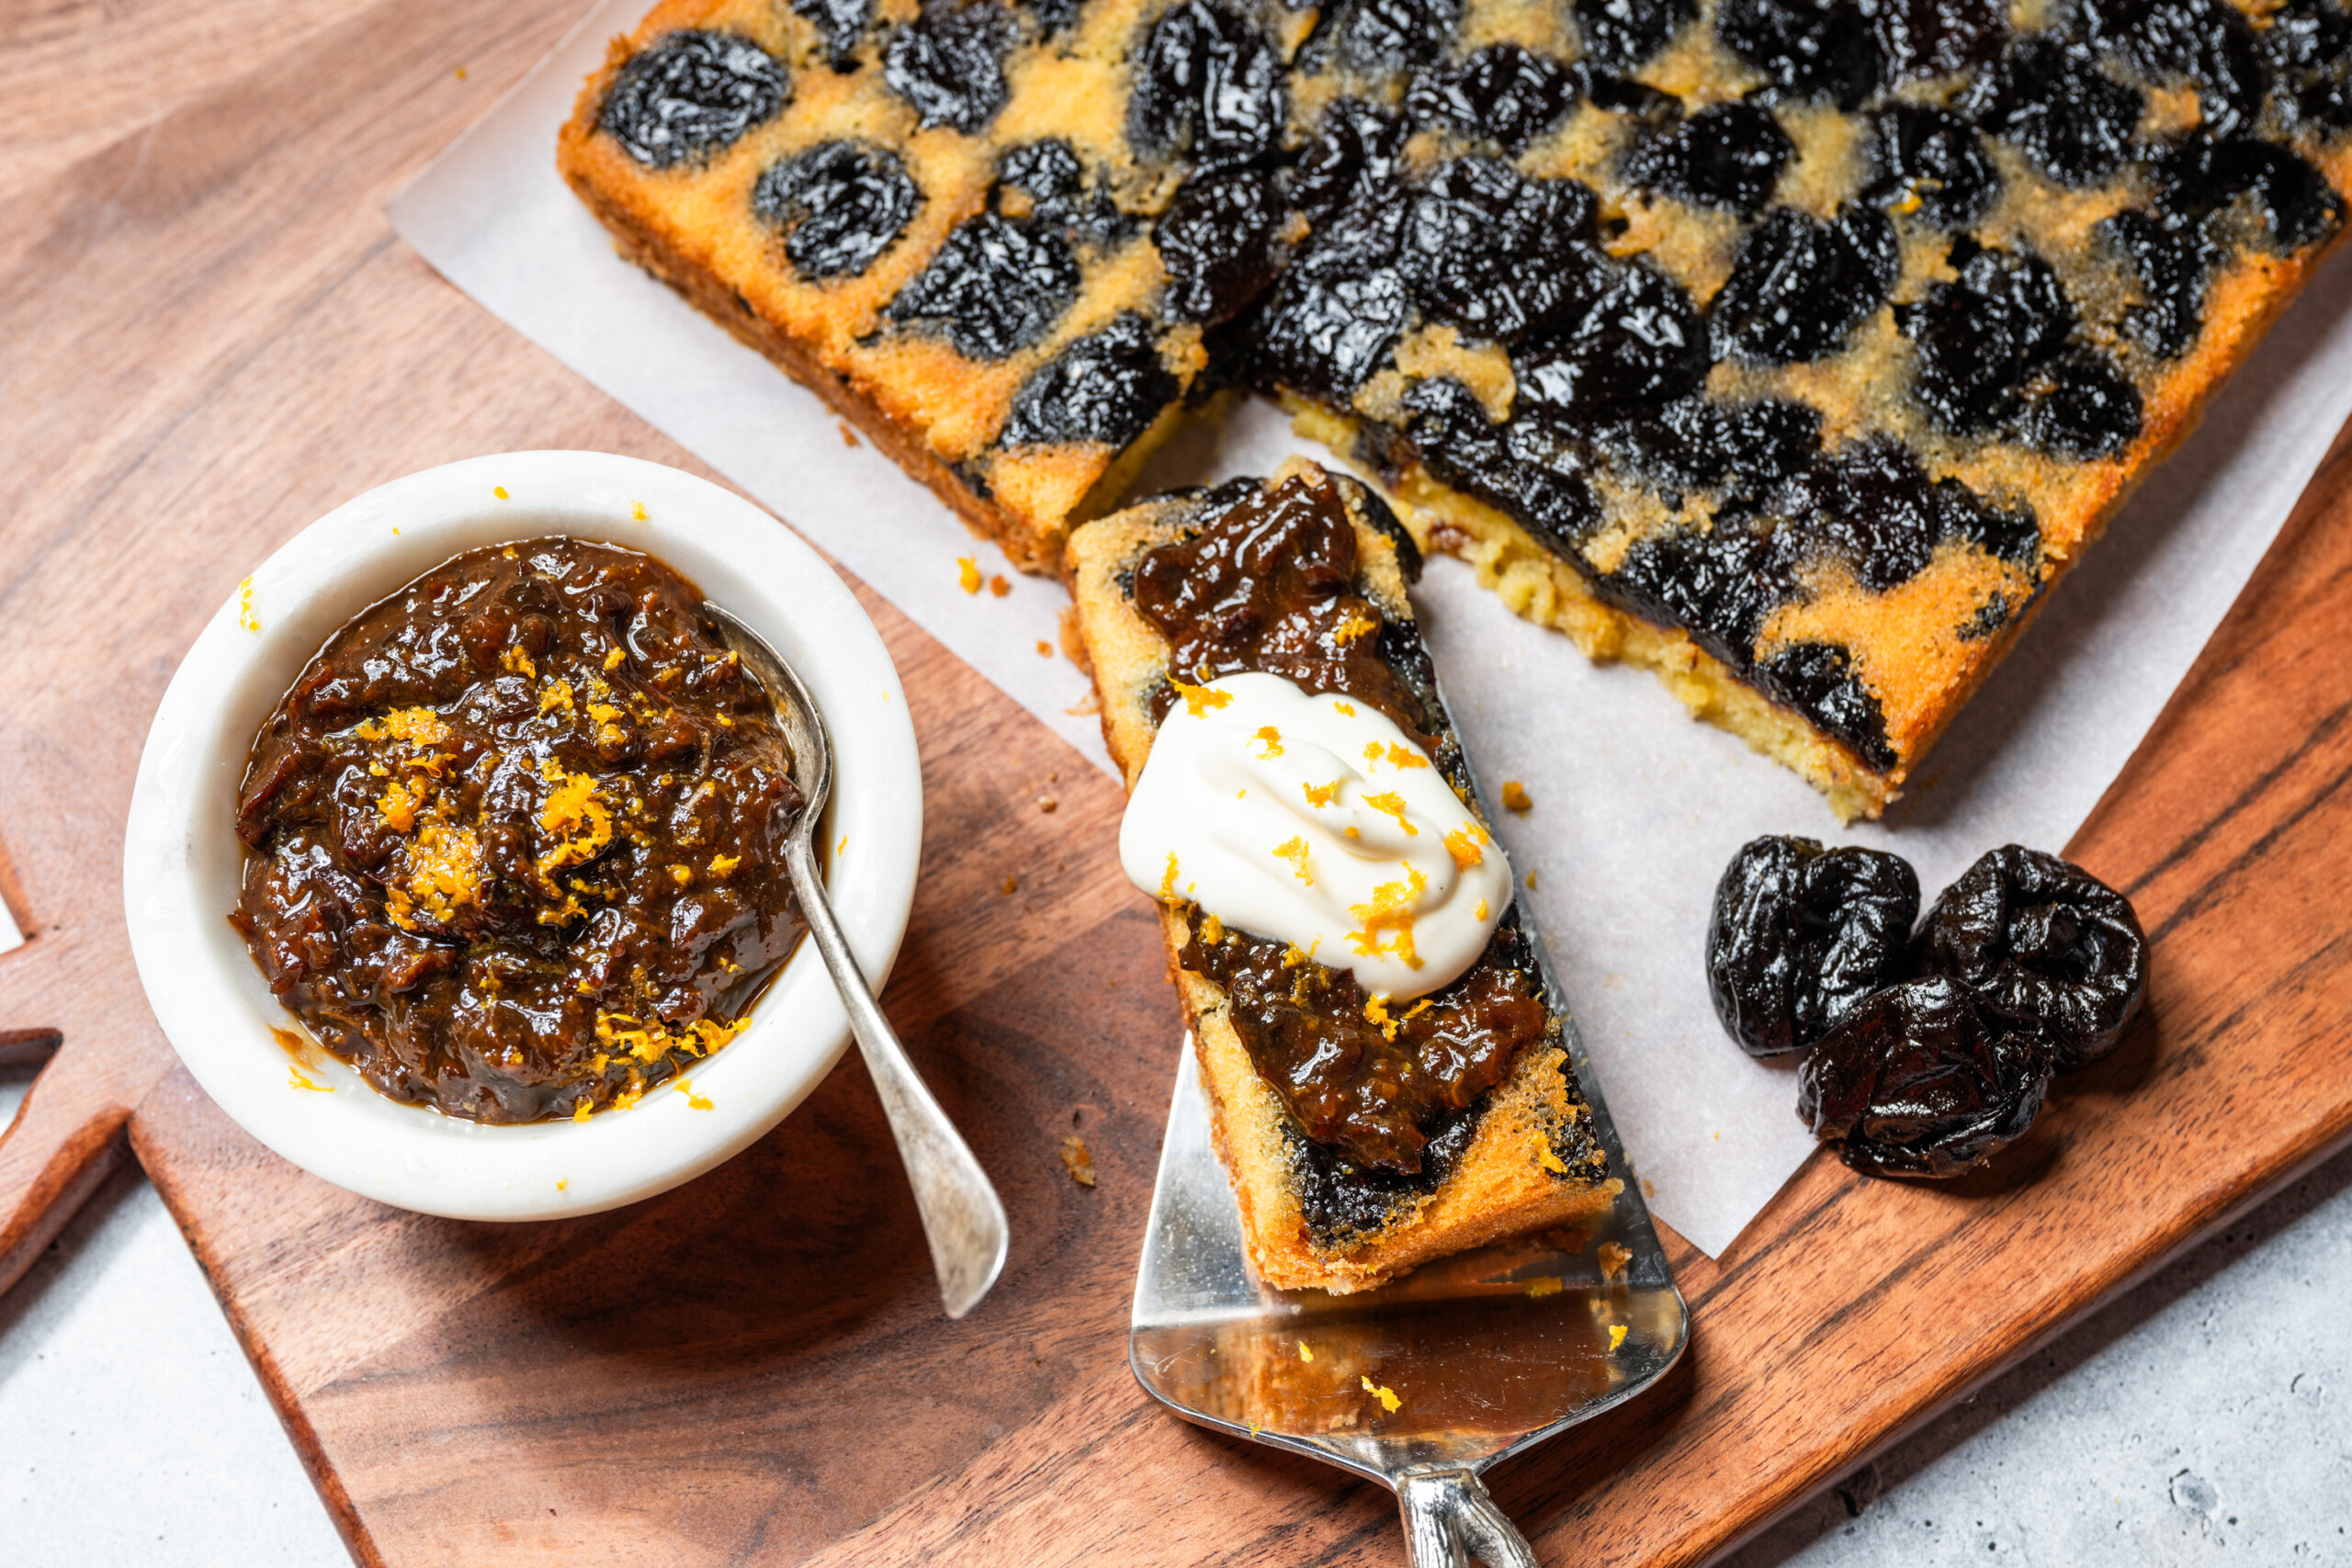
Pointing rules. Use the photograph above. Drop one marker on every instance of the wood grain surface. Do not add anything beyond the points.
(213, 338)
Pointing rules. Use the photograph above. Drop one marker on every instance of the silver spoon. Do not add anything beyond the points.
(962, 1217)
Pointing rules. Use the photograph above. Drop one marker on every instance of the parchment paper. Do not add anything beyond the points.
(1637, 808)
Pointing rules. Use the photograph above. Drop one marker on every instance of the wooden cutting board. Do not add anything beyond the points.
(213, 338)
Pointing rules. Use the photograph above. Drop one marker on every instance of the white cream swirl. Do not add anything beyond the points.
(1316, 821)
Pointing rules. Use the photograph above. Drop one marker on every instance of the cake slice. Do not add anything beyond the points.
(1460, 1121)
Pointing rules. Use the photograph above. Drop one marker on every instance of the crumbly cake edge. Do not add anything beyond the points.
(1500, 1188)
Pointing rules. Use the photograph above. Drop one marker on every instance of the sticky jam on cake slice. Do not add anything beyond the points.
(1791, 348)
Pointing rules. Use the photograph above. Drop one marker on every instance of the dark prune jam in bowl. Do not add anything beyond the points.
(496, 822)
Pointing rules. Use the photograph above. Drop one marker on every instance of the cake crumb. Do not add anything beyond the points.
(967, 573)
(1045, 803)
(1616, 1336)
(1044, 649)
(1515, 797)
(1011, 886)
(1614, 1260)
(849, 436)
(1545, 1285)
(1078, 1161)
(999, 586)
(1304, 1353)
(1530, 882)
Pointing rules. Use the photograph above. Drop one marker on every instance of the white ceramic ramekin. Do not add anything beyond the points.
(182, 860)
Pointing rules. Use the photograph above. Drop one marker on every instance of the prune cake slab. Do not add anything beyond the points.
(1792, 350)
(1522, 1155)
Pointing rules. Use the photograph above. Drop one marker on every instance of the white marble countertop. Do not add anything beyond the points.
(2205, 1416)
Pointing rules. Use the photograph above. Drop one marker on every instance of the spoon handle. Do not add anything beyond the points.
(962, 1216)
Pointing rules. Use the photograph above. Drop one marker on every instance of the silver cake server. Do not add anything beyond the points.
(1425, 1382)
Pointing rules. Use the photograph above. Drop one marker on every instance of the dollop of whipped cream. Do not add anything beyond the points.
(1316, 821)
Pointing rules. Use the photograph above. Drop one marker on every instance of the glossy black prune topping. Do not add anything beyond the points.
(1050, 176)
(2307, 50)
(1818, 680)
(1492, 252)
(1871, 504)
(1798, 285)
(1355, 152)
(689, 94)
(1918, 1082)
(1805, 49)
(1931, 158)
(1217, 240)
(996, 286)
(1800, 935)
(840, 24)
(1980, 338)
(2045, 945)
(1106, 386)
(1720, 585)
(2048, 97)
(1515, 467)
(1503, 93)
(1727, 156)
(1053, 16)
(840, 205)
(949, 62)
(1743, 449)
(1623, 34)
(1207, 84)
(2209, 42)
(1338, 308)
(1636, 345)
(1936, 37)
(2203, 175)
(2079, 405)
(2172, 262)
(1385, 35)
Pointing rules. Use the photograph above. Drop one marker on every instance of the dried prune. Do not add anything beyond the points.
(1719, 586)
(1494, 253)
(1106, 386)
(1980, 338)
(2207, 42)
(689, 94)
(1934, 165)
(1356, 150)
(1872, 505)
(1638, 344)
(1725, 155)
(1800, 935)
(1217, 240)
(1694, 444)
(996, 286)
(1339, 306)
(1621, 94)
(2172, 262)
(1919, 1081)
(949, 62)
(1935, 38)
(840, 205)
(841, 25)
(1817, 679)
(2046, 946)
(1798, 285)
(2306, 49)
(1512, 468)
(2048, 97)
(2293, 199)
(1051, 175)
(1806, 48)
(1503, 92)
(1386, 35)
(1053, 16)
(1209, 84)
(2079, 405)
(1623, 34)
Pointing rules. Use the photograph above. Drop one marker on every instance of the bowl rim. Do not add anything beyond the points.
(182, 859)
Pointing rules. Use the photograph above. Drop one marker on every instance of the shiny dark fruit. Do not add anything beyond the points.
(1919, 1081)
(1818, 680)
(1798, 285)
(1107, 386)
(1694, 444)
(2307, 51)
(1354, 151)
(1053, 16)
(840, 205)
(1503, 93)
(1871, 504)
(1621, 94)
(1386, 35)
(1622, 34)
(1338, 308)
(1514, 468)
(1637, 345)
(1207, 84)
(996, 287)
(1719, 586)
(1931, 157)
(1051, 175)
(1725, 155)
(1804, 50)
(2080, 405)
(1800, 935)
(1936, 37)
(1494, 253)
(2172, 262)
(949, 62)
(2049, 99)
(1979, 339)
(2293, 200)
(1217, 240)
(841, 25)
(2208, 43)
(690, 93)
(2046, 946)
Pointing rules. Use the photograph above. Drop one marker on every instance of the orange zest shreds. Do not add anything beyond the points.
(1515, 797)
(299, 1081)
(1354, 626)
(637, 512)
(1420, 1007)
(418, 726)
(1211, 929)
(616, 658)
(1294, 849)
(1352, 831)
(1545, 1285)
(1304, 1353)
(1616, 1336)
(1198, 700)
(514, 662)
(1479, 914)
(1321, 795)
(602, 712)
(693, 1101)
(1530, 882)
(500, 492)
(650, 1039)
(398, 804)
(1293, 957)
(1391, 910)
(246, 616)
(1395, 756)
(628, 1098)
(555, 695)
(1273, 740)
(575, 819)
(1463, 845)
(1375, 1008)
(1167, 880)
(1387, 1397)
(561, 1182)
(1547, 1158)
(581, 1110)
(571, 909)
(684, 875)
(723, 866)
(967, 573)
(1347, 708)
(1389, 803)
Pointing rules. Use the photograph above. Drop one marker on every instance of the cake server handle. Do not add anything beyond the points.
(1449, 1520)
